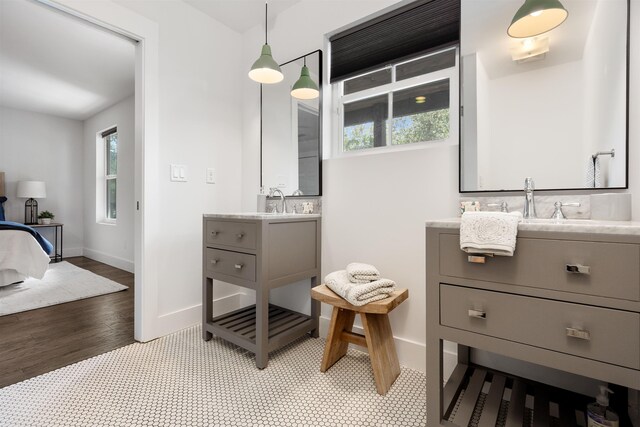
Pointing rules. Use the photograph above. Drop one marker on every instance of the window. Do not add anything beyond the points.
(411, 102)
(110, 145)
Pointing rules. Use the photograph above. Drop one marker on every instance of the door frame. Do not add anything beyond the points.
(124, 22)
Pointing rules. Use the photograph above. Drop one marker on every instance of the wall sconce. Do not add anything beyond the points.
(531, 49)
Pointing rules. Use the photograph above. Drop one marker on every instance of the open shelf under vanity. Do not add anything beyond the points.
(239, 326)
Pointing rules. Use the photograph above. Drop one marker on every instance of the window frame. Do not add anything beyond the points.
(109, 177)
(338, 101)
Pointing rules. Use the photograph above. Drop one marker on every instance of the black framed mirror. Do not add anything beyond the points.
(553, 107)
(291, 132)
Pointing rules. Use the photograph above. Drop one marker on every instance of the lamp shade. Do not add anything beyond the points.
(305, 87)
(31, 190)
(266, 70)
(536, 17)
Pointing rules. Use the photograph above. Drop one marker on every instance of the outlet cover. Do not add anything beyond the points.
(211, 176)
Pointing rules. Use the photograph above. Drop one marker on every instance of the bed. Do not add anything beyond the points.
(23, 252)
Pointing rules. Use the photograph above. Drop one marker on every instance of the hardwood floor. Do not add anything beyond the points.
(38, 341)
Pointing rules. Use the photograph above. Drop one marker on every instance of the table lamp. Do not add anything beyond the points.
(31, 190)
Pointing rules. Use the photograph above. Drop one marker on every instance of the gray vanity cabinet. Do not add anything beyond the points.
(260, 252)
(565, 300)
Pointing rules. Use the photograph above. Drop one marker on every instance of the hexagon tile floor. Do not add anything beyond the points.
(181, 380)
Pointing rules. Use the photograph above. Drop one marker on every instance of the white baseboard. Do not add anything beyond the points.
(191, 316)
(410, 353)
(121, 263)
(71, 252)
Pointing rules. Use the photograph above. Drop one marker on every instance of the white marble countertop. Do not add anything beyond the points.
(260, 215)
(565, 226)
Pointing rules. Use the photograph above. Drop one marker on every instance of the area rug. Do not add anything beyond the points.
(63, 282)
(182, 380)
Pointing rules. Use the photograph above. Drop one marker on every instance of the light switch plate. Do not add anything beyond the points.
(211, 176)
(178, 173)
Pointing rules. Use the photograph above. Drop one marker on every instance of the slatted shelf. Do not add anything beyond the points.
(239, 326)
(479, 397)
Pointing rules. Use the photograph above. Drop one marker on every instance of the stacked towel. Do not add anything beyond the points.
(362, 273)
(489, 232)
(358, 293)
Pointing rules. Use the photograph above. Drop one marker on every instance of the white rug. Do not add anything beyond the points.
(63, 282)
(181, 380)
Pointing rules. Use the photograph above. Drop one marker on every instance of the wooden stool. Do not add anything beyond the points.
(377, 337)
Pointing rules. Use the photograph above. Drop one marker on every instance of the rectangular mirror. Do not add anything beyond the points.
(552, 107)
(291, 142)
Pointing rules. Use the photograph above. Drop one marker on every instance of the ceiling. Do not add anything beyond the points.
(240, 15)
(55, 64)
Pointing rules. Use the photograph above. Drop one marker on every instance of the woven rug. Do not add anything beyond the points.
(63, 282)
(181, 380)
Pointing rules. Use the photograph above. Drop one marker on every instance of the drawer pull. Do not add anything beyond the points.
(239, 266)
(477, 259)
(214, 261)
(214, 234)
(477, 314)
(579, 333)
(578, 269)
(240, 235)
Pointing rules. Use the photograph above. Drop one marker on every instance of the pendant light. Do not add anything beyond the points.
(305, 87)
(266, 70)
(536, 17)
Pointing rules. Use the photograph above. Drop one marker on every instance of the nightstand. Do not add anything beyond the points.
(57, 243)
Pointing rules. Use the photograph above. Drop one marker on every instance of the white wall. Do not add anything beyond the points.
(41, 147)
(199, 85)
(605, 98)
(374, 206)
(543, 150)
(109, 243)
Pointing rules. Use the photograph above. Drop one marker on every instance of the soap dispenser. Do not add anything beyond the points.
(262, 201)
(598, 412)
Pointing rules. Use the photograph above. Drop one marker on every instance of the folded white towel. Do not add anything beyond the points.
(362, 273)
(358, 294)
(489, 232)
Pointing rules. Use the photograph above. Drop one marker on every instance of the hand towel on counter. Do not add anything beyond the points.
(489, 232)
(362, 273)
(358, 294)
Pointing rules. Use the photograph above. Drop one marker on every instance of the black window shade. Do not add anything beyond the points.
(416, 28)
(109, 132)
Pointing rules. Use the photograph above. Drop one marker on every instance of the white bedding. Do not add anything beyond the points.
(19, 251)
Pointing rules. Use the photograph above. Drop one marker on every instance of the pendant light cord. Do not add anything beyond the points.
(266, 11)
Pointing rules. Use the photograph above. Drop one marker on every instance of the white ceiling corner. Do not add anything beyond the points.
(56, 64)
(240, 15)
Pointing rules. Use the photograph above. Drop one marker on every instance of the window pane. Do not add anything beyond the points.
(421, 113)
(112, 154)
(428, 64)
(374, 79)
(111, 198)
(365, 123)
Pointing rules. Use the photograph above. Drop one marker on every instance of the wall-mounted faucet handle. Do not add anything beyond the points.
(557, 213)
(504, 206)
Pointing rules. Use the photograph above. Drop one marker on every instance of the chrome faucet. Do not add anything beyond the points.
(529, 203)
(272, 193)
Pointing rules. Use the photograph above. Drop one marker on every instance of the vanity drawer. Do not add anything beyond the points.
(613, 335)
(235, 264)
(237, 234)
(542, 263)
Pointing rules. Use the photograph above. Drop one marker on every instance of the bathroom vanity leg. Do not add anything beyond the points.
(207, 307)
(262, 328)
(315, 311)
(435, 386)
